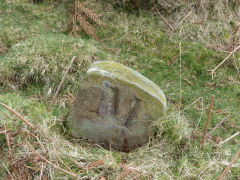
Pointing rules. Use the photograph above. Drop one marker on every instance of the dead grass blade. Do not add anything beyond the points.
(212, 71)
(183, 19)
(208, 119)
(164, 20)
(228, 139)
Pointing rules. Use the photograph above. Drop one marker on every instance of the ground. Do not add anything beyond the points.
(35, 49)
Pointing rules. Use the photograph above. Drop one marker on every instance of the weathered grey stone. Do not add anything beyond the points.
(115, 106)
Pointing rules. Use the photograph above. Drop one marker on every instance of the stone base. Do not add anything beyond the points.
(110, 115)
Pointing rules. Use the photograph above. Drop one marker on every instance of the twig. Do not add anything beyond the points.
(183, 18)
(229, 165)
(219, 124)
(212, 71)
(49, 162)
(8, 141)
(19, 116)
(208, 119)
(96, 163)
(61, 83)
(164, 20)
(228, 139)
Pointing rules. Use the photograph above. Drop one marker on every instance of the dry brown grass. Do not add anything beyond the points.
(214, 22)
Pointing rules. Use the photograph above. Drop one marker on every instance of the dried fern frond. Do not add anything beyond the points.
(89, 13)
(79, 20)
(87, 27)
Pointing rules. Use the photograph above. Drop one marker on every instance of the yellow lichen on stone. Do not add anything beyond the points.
(114, 70)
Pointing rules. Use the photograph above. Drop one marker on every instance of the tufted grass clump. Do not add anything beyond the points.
(174, 126)
(42, 60)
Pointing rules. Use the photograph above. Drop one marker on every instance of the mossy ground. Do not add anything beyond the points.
(34, 51)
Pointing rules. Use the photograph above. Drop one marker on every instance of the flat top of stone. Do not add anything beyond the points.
(114, 70)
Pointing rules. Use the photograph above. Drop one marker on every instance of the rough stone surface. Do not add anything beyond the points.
(115, 106)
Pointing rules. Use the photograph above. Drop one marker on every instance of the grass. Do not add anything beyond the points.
(34, 52)
(44, 58)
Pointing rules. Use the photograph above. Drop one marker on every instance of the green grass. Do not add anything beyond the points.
(44, 58)
(38, 51)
